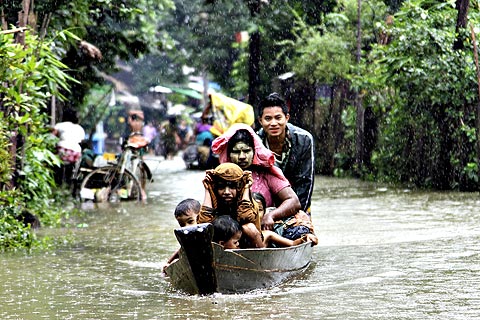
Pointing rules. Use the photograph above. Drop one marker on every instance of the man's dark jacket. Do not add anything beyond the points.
(300, 165)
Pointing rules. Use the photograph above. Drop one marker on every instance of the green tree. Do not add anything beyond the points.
(120, 29)
(31, 74)
(325, 55)
(428, 125)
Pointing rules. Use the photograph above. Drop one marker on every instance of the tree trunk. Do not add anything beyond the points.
(477, 109)
(360, 125)
(18, 140)
(254, 59)
(462, 18)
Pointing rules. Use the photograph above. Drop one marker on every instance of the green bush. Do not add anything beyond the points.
(30, 76)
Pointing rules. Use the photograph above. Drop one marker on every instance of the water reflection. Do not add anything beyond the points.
(384, 254)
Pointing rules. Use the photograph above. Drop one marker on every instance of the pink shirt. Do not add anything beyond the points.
(268, 184)
(149, 132)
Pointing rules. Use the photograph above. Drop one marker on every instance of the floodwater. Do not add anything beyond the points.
(384, 253)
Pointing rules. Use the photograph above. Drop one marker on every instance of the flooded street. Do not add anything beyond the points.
(383, 254)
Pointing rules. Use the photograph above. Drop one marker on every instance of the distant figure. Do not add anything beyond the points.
(227, 232)
(135, 121)
(203, 142)
(135, 136)
(70, 135)
(150, 133)
(202, 132)
(184, 133)
(169, 138)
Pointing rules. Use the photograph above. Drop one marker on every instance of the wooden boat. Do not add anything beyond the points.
(204, 267)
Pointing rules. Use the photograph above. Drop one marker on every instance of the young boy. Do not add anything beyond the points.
(227, 232)
(262, 204)
(186, 214)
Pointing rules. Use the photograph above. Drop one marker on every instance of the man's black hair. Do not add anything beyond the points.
(224, 228)
(273, 100)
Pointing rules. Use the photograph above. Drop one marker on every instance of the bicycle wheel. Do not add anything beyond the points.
(107, 184)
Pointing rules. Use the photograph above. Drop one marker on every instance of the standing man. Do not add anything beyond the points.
(293, 147)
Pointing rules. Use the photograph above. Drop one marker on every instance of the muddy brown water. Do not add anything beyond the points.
(384, 253)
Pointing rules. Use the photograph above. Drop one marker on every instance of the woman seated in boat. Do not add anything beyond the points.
(227, 192)
(241, 145)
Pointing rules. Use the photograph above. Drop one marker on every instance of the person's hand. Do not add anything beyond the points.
(247, 184)
(208, 183)
(165, 268)
(208, 180)
(267, 221)
(248, 179)
(312, 237)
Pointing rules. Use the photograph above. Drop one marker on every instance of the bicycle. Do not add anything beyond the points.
(123, 181)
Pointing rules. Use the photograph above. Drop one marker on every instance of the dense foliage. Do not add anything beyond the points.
(418, 92)
(120, 29)
(89, 36)
(30, 75)
(428, 125)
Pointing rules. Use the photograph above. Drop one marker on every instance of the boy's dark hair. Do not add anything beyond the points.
(186, 205)
(258, 196)
(224, 228)
(241, 135)
(273, 100)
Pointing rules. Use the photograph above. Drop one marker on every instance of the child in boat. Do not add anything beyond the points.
(271, 237)
(227, 232)
(227, 191)
(186, 214)
(262, 205)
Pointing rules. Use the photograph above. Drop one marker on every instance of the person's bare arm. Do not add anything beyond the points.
(289, 205)
(209, 200)
(208, 185)
(272, 237)
(172, 258)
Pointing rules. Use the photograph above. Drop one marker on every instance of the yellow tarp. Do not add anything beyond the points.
(227, 111)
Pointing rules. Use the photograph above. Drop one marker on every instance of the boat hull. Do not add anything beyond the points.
(209, 268)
